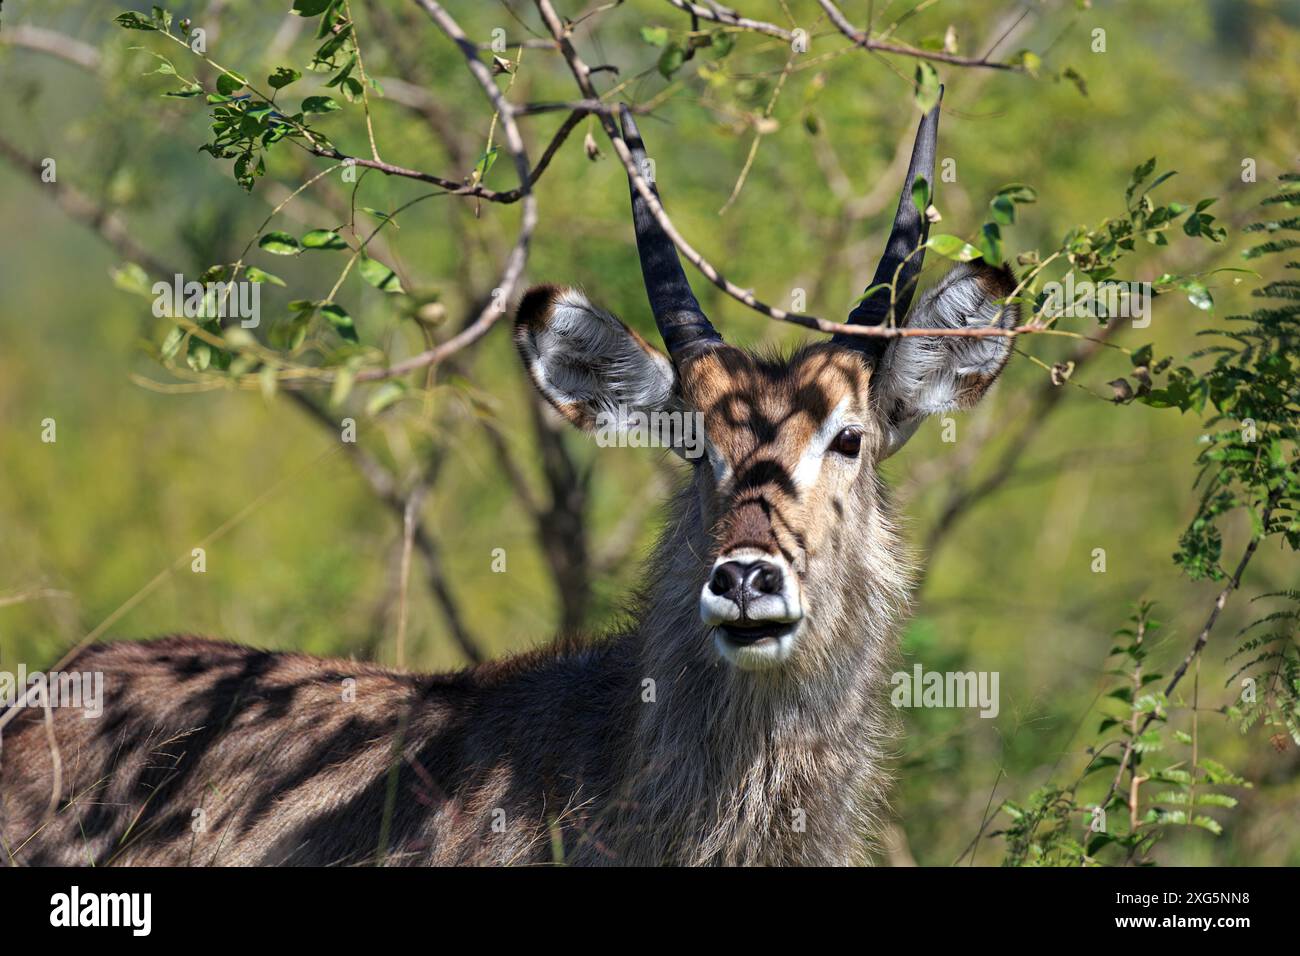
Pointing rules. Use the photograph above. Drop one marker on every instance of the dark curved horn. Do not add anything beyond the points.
(911, 230)
(681, 322)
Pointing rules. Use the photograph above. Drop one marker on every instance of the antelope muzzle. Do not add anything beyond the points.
(752, 601)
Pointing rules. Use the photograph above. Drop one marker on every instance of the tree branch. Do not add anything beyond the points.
(862, 39)
(106, 223)
(859, 37)
(385, 488)
(514, 267)
(1234, 582)
(582, 74)
(85, 210)
(53, 43)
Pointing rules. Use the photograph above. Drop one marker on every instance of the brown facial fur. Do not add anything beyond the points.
(760, 416)
(642, 747)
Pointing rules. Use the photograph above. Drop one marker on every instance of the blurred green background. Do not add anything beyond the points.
(139, 476)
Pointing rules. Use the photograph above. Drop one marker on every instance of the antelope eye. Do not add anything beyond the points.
(847, 443)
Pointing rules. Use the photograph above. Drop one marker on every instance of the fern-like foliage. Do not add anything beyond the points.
(1156, 775)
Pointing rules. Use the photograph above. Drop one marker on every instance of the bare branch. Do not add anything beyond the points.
(385, 488)
(1202, 638)
(110, 228)
(862, 39)
(514, 267)
(54, 43)
(85, 210)
(859, 37)
(730, 19)
(582, 74)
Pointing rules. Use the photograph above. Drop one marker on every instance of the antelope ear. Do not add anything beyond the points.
(591, 367)
(920, 376)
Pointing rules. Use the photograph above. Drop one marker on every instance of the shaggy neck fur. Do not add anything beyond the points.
(777, 767)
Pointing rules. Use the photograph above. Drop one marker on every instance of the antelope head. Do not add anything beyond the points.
(789, 498)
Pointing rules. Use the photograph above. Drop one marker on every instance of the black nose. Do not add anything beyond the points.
(741, 581)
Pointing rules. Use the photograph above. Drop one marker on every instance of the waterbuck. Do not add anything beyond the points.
(738, 719)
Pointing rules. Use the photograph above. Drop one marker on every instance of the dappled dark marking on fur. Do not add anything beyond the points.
(474, 735)
(708, 771)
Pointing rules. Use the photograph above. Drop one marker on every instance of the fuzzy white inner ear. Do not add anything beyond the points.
(925, 376)
(586, 358)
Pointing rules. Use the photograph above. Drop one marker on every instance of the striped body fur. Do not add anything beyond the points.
(739, 717)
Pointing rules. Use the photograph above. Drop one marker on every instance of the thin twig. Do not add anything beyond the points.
(1234, 582)
(514, 267)
(582, 74)
(859, 38)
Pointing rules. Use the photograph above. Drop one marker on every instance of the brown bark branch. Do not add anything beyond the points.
(858, 37)
(109, 227)
(515, 261)
(862, 39)
(53, 43)
(384, 487)
(582, 75)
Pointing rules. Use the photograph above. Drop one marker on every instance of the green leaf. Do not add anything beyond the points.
(258, 275)
(279, 243)
(171, 343)
(352, 88)
(1215, 800)
(131, 278)
(1003, 209)
(165, 68)
(282, 77)
(921, 194)
(1216, 772)
(927, 86)
(671, 60)
(230, 83)
(990, 243)
(1207, 823)
(485, 163)
(133, 21)
(655, 36)
(323, 239)
(199, 355)
(320, 104)
(1140, 174)
(379, 275)
(951, 247)
(310, 8)
(1198, 295)
(384, 396)
(342, 387)
(723, 43)
(1029, 61)
(338, 317)
(1019, 193)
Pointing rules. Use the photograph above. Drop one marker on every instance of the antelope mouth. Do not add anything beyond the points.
(756, 645)
(748, 633)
